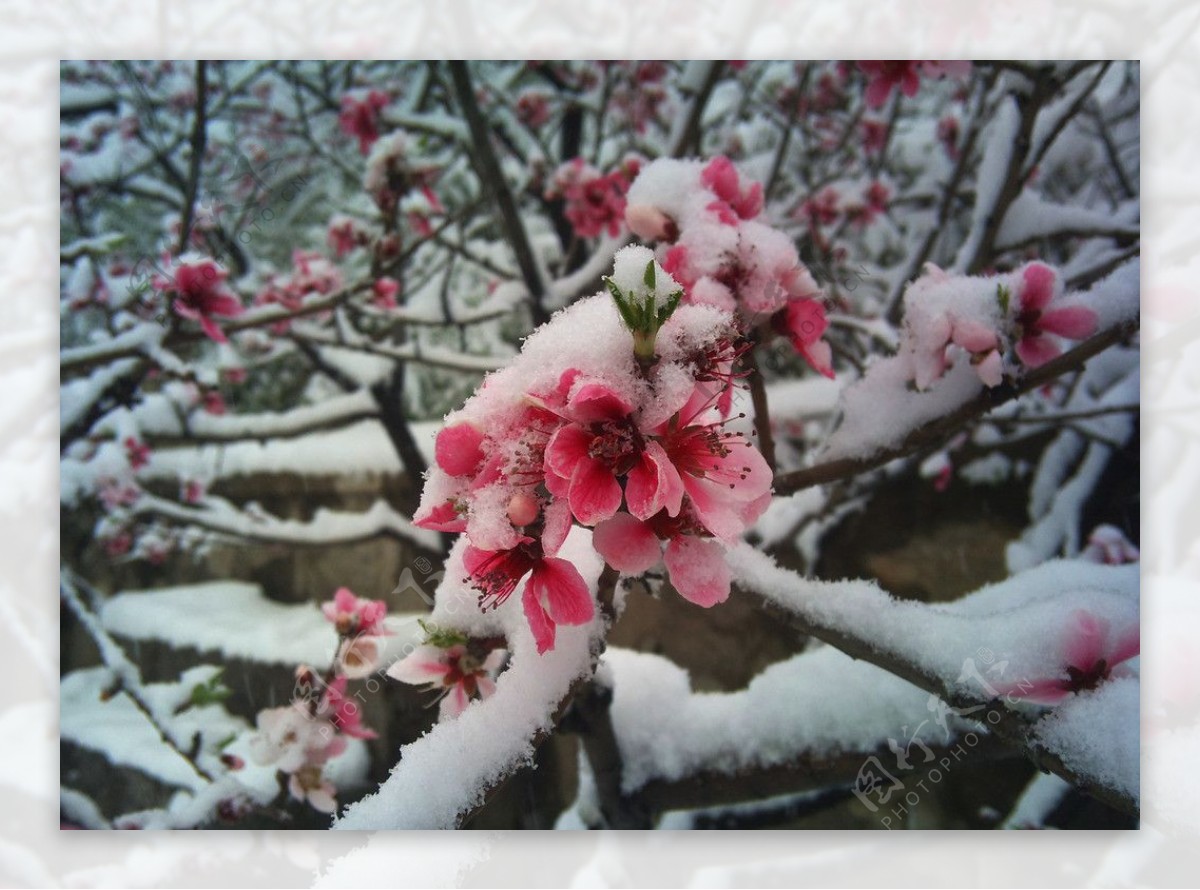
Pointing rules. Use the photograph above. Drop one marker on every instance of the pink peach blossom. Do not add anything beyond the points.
(452, 671)
(1039, 287)
(352, 615)
(200, 294)
(1091, 649)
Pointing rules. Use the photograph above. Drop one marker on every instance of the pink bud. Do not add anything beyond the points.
(458, 450)
(523, 509)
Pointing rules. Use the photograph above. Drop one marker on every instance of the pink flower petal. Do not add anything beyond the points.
(556, 528)
(991, 369)
(1072, 322)
(698, 570)
(1035, 351)
(626, 544)
(440, 518)
(974, 336)
(877, 92)
(713, 508)
(539, 620)
(721, 176)
(1127, 646)
(210, 328)
(322, 799)
(1038, 289)
(595, 494)
(1086, 636)
(654, 484)
(558, 584)
(566, 448)
(423, 665)
(819, 356)
(454, 702)
(594, 402)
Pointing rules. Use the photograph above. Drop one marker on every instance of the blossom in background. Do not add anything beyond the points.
(453, 671)
(360, 118)
(137, 452)
(904, 75)
(354, 616)
(822, 208)
(289, 738)
(594, 202)
(345, 235)
(191, 491)
(533, 108)
(1035, 320)
(1091, 649)
(385, 290)
(343, 712)
(200, 295)
(213, 402)
(1107, 544)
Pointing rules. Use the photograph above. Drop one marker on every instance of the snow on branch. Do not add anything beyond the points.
(165, 428)
(451, 770)
(1026, 623)
(326, 528)
(795, 722)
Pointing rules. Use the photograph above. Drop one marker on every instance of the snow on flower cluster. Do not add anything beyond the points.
(1002, 322)
(705, 217)
(582, 429)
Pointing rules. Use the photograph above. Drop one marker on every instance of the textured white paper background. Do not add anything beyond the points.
(36, 34)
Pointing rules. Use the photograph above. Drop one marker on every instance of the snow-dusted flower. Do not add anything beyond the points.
(555, 593)
(1091, 649)
(385, 290)
(600, 444)
(352, 615)
(716, 247)
(289, 737)
(453, 671)
(626, 413)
